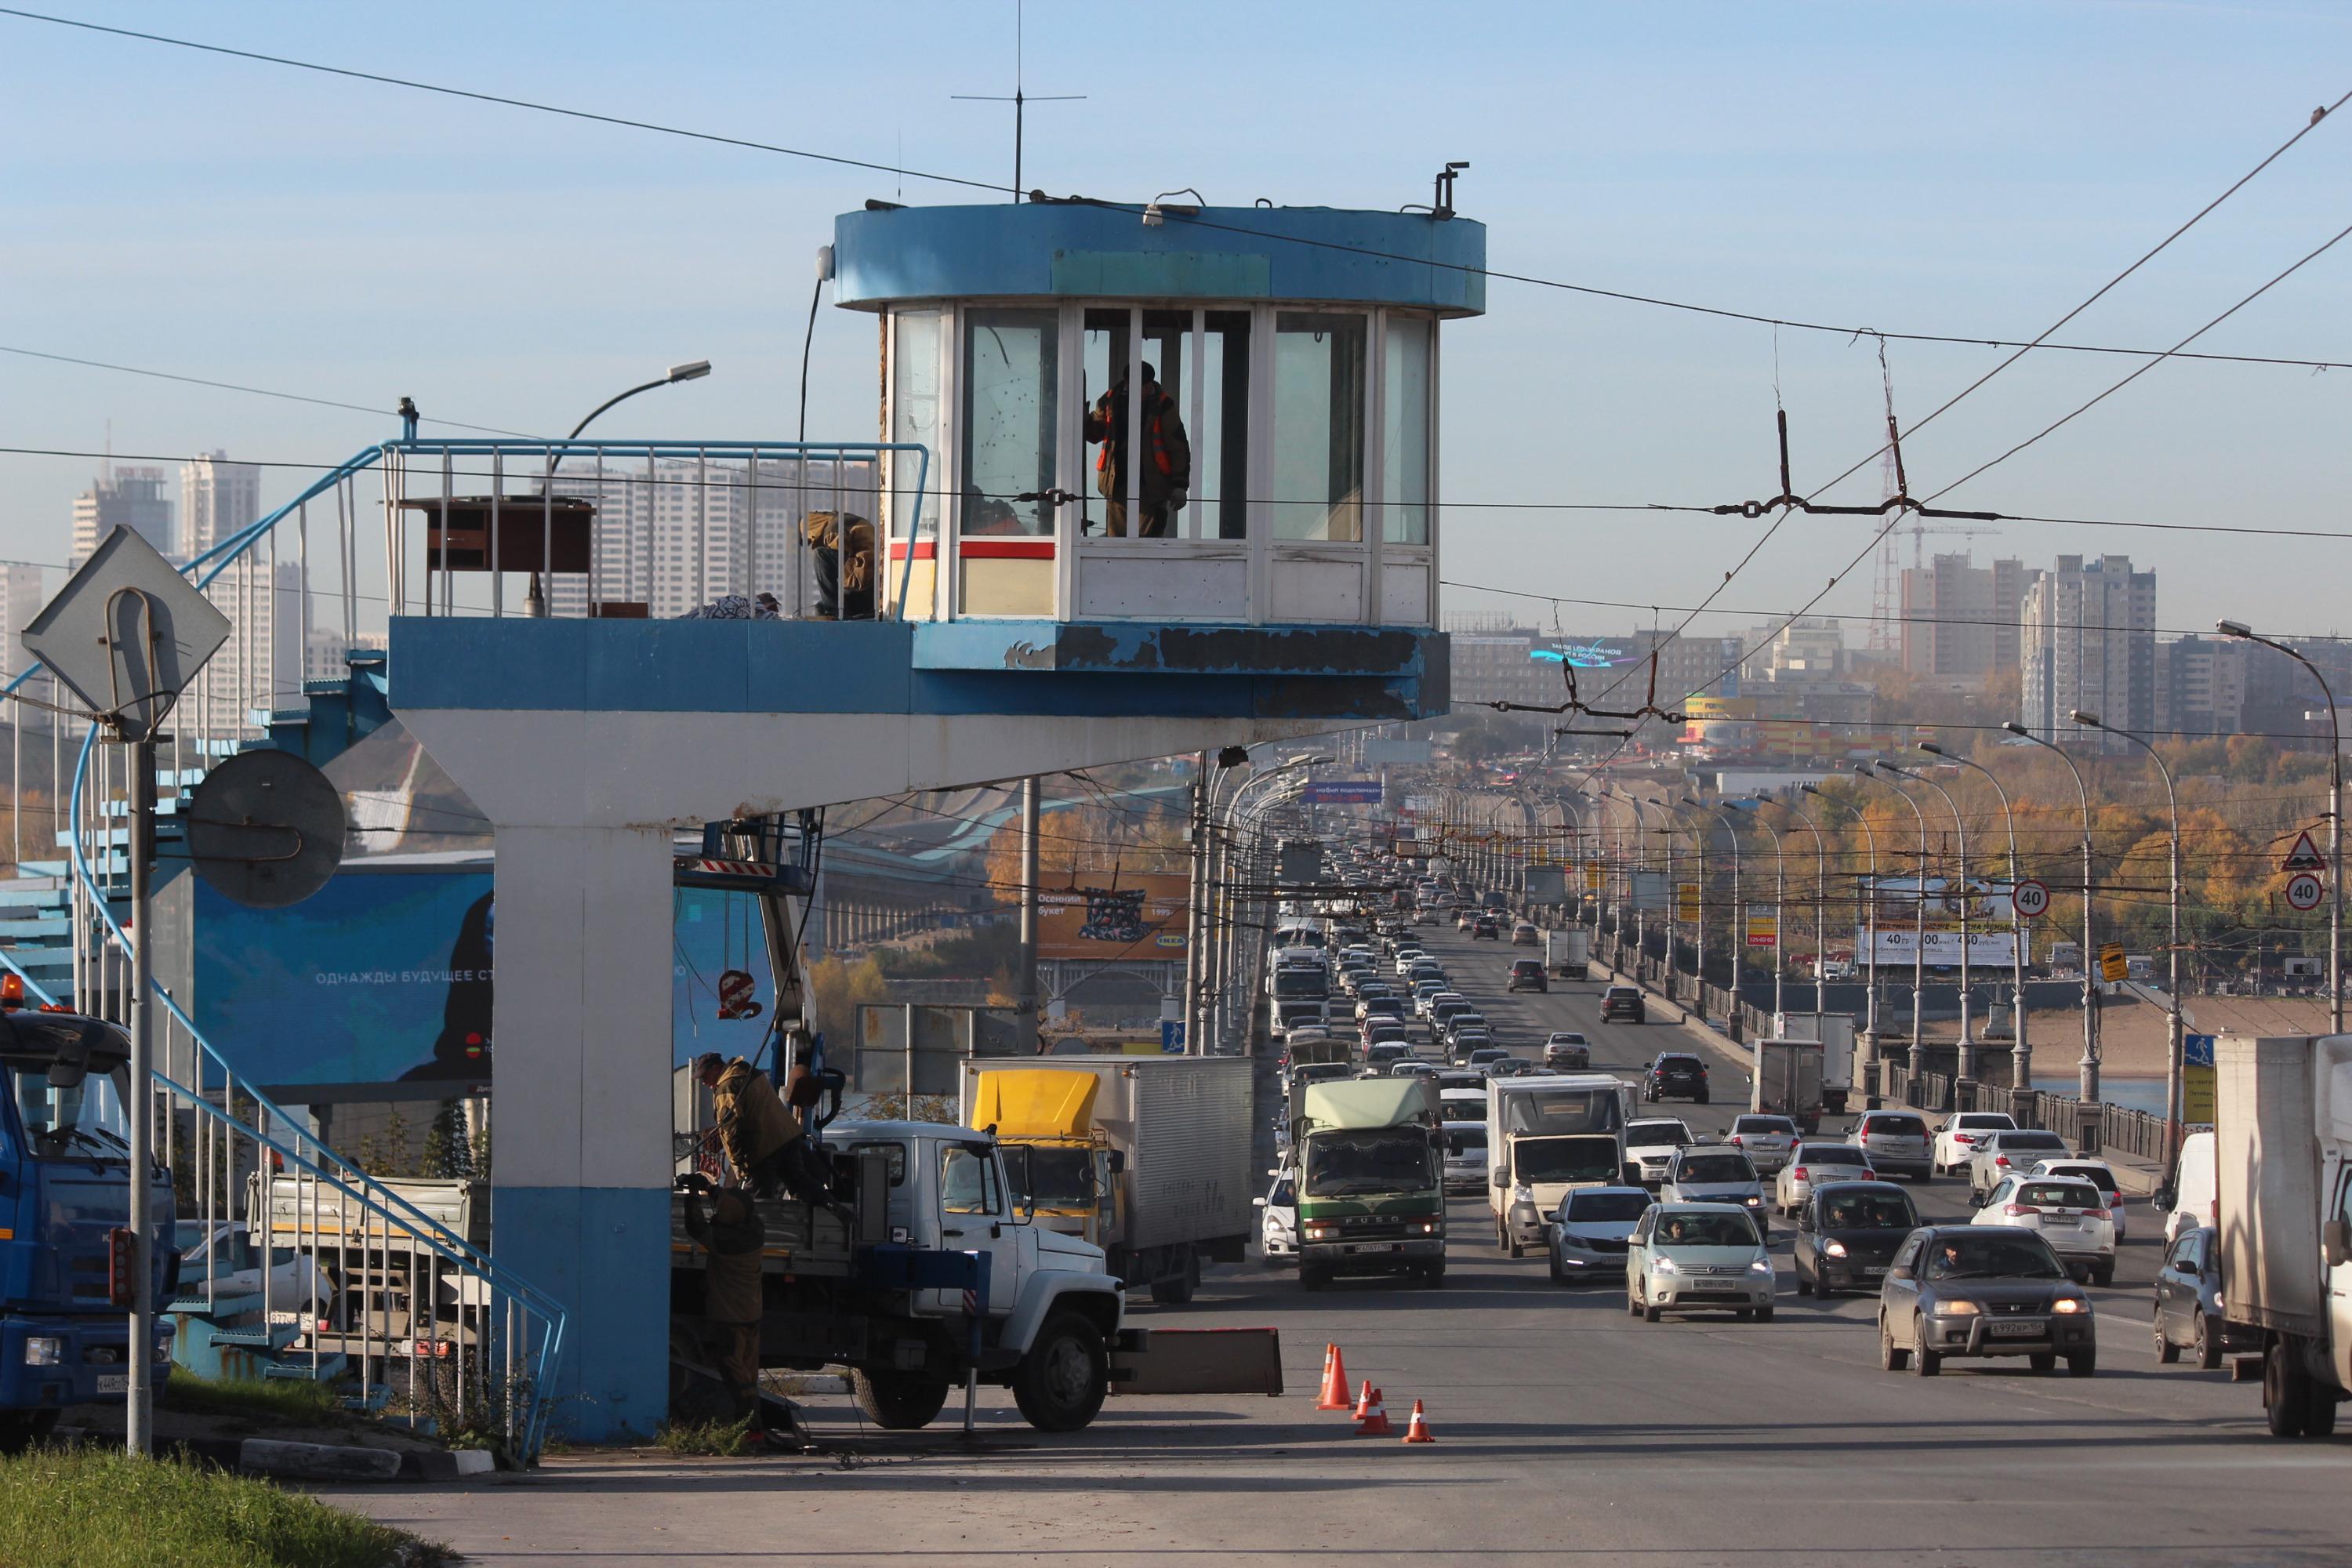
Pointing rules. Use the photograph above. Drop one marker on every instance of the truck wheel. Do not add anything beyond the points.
(1060, 1384)
(898, 1401)
(1176, 1291)
(2286, 1392)
(1434, 1276)
(2321, 1421)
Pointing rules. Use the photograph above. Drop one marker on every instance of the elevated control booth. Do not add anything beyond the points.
(1285, 461)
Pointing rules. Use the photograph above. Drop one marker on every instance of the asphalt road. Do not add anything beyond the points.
(1565, 1429)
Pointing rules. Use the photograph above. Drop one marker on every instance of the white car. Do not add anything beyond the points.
(2070, 1215)
(1897, 1143)
(1767, 1141)
(1697, 1256)
(1957, 1139)
(1650, 1143)
(1278, 1222)
(297, 1283)
(2100, 1176)
(1715, 1173)
(2011, 1153)
(1817, 1164)
(1592, 1229)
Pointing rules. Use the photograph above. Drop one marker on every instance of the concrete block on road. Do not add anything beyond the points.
(451, 1465)
(317, 1461)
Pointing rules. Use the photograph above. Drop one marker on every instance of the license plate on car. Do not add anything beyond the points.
(1373, 1245)
(1713, 1285)
(2016, 1330)
(114, 1383)
(1873, 1270)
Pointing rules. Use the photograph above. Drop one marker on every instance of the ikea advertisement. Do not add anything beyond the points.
(379, 985)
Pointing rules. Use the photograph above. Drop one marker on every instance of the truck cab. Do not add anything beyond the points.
(65, 1191)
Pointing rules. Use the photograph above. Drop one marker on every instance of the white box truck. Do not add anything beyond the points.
(1835, 1031)
(2282, 1159)
(1567, 954)
(1546, 1136)
(1788, 1080)
(1147, 1157)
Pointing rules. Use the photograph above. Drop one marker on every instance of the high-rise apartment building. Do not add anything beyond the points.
(2200, 688)
(1959, 619)
(2088, 642)
(122, 498)
(217, 498)
(260, 665)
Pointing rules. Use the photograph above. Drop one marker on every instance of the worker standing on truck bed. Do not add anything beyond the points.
(732, 1299)
(761, 1137)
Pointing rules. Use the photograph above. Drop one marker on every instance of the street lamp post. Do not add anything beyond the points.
(1918, 919)
(2021, 1071)
(1698, 938)
(1780, 888)
(1821, 904)
(2087, 1084)
(1965, 1063)
(1738, 938)
(535, 602)
(2335, 822)
(1866, 925)
(2172, 1066)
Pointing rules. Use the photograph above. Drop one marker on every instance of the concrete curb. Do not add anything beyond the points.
(447, 1465)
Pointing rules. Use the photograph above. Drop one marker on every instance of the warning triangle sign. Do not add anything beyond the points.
(2304, 856)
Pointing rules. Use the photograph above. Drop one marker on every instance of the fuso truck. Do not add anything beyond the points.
(1147, 1157)
(2283, 1156)
(1789, 1081)
(65, 1213)
(1545, 1137)
(1371, 1174)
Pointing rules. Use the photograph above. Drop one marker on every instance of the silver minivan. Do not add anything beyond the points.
(1897, 1143)
(1466, 1156)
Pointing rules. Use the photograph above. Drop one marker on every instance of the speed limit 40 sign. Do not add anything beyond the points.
(2032, 897)
(2303, 891)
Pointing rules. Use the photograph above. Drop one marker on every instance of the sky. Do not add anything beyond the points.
(1969, 169)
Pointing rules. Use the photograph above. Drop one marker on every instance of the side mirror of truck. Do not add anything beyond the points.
(1119, 1161)
(2335, 1237)
(1498, 1178)
(71, 1064)
(1629, 1175)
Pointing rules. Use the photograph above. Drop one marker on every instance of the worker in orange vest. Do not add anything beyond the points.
(1166, 476)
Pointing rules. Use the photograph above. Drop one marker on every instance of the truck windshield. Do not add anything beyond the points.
(1355, 1162)
(1565, 1159)
(1312, 983)
(1063, 1178)
(69, 1122)
(1561, 1110)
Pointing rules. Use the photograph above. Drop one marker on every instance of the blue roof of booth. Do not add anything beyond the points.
(1082, 250)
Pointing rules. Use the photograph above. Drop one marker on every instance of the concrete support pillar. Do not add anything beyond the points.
(580, 1171)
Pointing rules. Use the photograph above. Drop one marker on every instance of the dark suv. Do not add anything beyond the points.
(1527, 975)
(1623, 1002)
(1486, 929)
(1676, 1074)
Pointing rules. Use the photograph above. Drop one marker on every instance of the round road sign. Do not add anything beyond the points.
(2032, 899)
(2304, 891)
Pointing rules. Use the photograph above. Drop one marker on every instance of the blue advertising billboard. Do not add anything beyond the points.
(379, 985)
(1341, 792)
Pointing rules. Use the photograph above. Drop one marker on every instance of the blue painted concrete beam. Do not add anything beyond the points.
(1344, 674)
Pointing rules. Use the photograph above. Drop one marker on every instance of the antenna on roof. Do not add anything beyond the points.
(1020, 99)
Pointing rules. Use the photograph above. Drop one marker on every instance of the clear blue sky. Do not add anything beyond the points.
(1968, 168)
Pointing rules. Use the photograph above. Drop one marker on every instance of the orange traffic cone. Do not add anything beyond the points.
(1417, 1429)
(1335, 1381)
(1372, 1415)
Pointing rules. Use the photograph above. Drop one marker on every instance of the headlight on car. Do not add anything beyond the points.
(1957, 1308)
(45, 1350)
(1664, 1266)
(1760, 1266)
(1753, 1200)
(1523, 1193)
(1834, 1249)
(2070, 1305)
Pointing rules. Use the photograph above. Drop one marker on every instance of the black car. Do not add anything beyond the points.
(1527, 975)
(1486, 929)
(1623, 1002)
(1982, 1290)
(1847, 1233)
(2188, 1303)
(1675, 1074)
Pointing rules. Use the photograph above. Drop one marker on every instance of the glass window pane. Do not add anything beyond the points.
(1221, 455)
(915, 416)
(1166, 472)
(1102, 360)
(1153, 423)
(1404, 432)
(1318, 426)
(1009, 398)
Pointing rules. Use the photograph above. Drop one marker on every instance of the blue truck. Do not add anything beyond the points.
(64, 1217)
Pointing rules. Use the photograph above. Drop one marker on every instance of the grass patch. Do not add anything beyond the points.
(74, 1508)
(715, 1439)
(293, 1402)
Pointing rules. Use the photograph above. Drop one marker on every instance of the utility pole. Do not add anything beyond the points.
(1197, 921)
(139, 1425)
(1025, 991)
